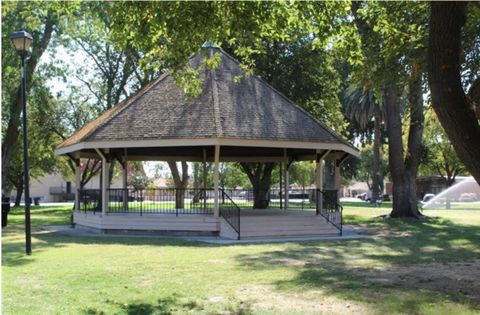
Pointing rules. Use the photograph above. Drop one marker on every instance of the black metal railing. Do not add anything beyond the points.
(230, 211)
(201, 201)
(90, 200)
(161, 201)
(330, 208)
(299, 199)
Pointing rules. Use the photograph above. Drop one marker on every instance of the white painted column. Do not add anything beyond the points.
(337, 179)
(319, 176)
(204, 160)
(319, 182)
(78, 174)
(286, 179)
(105, 167)
(105, 181)
(124, 181)
(216, 208)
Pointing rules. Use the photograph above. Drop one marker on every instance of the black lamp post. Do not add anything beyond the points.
(22, 41)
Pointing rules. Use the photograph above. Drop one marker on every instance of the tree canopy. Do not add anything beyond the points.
(366, 69)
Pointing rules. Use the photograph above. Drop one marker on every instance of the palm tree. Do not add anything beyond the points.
(361, 107)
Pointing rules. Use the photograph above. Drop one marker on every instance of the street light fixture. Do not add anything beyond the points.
(22, 41)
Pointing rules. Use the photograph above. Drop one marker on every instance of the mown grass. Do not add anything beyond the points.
(126, 275)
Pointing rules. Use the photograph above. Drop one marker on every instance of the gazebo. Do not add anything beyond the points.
(236, 118)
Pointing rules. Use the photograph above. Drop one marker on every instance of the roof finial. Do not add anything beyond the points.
(209, 44)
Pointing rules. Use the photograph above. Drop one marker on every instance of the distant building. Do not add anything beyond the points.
(56, 188)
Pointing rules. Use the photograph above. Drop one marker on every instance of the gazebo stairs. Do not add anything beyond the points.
(278, 223)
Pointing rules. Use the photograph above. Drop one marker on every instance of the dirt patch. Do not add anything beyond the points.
(267, 298)
(460, 278)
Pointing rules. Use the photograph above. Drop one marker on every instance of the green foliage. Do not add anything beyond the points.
(440, 157)
(232, 176)
(305, 75)
(172, 31)
(302, 173)
(361, 105)
(395, 40)
(365, 166)
(41, 139)
(137, 177)
(470, 59)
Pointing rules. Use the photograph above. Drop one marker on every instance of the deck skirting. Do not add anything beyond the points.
(254, 224)
(135, 222)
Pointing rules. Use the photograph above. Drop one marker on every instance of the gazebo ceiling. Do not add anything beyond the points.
(240, 112)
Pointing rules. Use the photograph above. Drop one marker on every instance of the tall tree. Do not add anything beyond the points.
(393, 48)
(454, 109)
(42, 20)
(113, 74)
(362, 106)
(41, 141)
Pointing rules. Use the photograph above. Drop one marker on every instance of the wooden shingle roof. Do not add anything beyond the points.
(232, 105)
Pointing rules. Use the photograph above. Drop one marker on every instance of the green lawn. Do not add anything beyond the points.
(427, 267)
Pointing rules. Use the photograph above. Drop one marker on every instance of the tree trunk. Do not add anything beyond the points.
(376, 157)
(403, 188)
(18, 197)
(260, 176)
(449, 101)
(403, 172)
(415, 132)
(196, 183)
(180, 181)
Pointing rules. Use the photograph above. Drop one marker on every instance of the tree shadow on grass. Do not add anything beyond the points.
(341, 268)
(175, 305)
(163, 306)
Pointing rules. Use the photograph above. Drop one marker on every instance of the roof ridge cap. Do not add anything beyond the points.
(216, 108)
(328, 129)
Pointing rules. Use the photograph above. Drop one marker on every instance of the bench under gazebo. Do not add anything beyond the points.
(236, 118)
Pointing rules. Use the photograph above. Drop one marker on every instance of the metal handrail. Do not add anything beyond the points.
(231, 216)
(331, 210)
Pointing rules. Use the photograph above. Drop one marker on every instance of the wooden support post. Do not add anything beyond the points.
(319, 178)
(125, 180)
(105, 169)
(105, 181)
(204, 159)
(337, 179)
(280, 185)
(319, 184)
(286, 179)
(78, 174)
(216, 208)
